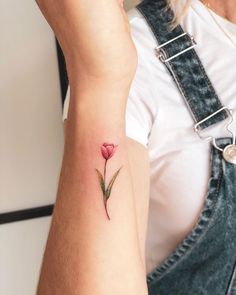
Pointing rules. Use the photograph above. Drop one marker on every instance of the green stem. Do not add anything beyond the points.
(105, 166)
(105, 203)
(104, 197)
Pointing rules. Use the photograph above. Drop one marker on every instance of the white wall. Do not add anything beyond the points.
(31, 141)
(31, 138)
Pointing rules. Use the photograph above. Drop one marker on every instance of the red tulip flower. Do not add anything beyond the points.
(107, 150)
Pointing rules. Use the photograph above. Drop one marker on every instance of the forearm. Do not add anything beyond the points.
(93, 245)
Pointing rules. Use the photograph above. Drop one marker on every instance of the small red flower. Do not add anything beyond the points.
(108, 150)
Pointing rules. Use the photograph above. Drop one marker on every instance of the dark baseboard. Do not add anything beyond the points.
(26, 214)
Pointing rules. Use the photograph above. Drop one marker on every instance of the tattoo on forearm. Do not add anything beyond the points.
(107, 151)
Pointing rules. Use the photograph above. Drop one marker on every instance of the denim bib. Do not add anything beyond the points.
(204, 263)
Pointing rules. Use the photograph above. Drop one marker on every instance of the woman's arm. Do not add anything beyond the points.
(92, 246)
(87, 253)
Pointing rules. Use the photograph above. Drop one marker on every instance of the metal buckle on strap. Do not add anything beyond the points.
(161, 53)
(229, 152)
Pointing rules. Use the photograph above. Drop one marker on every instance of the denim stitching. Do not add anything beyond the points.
(182, 91)
(173, 75)
(232, 286)
(215, 101)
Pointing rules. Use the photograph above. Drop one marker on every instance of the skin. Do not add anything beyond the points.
(87, 253)
(226, 8)
(98, 31)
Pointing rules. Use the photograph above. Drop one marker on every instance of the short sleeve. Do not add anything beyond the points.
(140, 108)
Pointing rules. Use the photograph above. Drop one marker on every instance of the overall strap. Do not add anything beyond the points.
(176, 50)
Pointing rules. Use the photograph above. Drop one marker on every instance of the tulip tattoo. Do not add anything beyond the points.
(107, 151)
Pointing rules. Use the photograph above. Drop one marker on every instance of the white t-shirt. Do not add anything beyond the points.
(157, 117)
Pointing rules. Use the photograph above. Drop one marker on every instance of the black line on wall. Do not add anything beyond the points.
(62, 71)
(26, 214)
(43, 211)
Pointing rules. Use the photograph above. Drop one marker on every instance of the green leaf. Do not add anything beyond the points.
(108, 190)
(102, 182)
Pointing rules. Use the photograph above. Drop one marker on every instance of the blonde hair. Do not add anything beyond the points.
(180, 7)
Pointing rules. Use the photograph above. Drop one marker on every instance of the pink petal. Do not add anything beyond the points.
(107, 144)
(104, 152)
(110, 149)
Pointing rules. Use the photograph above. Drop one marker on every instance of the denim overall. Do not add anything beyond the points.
(204, 263)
